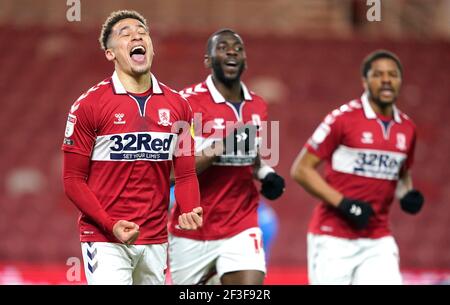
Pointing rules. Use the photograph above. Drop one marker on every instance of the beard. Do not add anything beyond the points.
(219, 73)
(377, 99)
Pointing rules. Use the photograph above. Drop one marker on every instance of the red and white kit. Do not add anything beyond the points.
(364, 154)
(229, 197)
(363, 157)
(131, 145)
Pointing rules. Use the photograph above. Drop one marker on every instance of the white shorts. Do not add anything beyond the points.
(118, 264)
(364, 261)
(197, 261)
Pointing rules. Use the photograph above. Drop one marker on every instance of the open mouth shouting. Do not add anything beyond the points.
(231, 64)
(137, 54)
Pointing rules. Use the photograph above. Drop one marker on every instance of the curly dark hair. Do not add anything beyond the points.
(367, 63)
(112, 20)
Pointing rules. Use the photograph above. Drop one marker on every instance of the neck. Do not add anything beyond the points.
(135, 84)
(231, 92)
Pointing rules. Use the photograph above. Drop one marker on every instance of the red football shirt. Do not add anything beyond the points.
(131, 145)
(364, 157)
(229, 197)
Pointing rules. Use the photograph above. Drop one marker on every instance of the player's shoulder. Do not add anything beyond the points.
(345, 112)
(195, 92)
(93, 95)
(174, 96)
(406, 119)
(257, 99)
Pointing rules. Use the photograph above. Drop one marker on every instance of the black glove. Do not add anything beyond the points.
(356, 211)
(272, 186)
(241, 139)
(412, 202)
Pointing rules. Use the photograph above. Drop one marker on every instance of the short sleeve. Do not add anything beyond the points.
(79, 136)
(410, 159)
(326, 138)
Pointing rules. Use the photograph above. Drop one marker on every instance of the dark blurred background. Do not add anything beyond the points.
(304, 58)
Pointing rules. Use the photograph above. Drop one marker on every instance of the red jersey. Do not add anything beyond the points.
(229, 197)
(364, 154)
(130, 142)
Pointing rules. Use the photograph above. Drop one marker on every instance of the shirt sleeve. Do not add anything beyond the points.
(410, 159)
(75, 173)
(80, 135)
(187, 192)
(326, 138)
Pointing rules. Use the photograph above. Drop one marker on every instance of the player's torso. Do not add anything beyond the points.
(366, 165)
(128, 131)
(228, 194)
(131, 160)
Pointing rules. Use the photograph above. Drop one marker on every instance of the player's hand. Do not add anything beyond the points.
(356, 211)
(192, 220)
(272, 186)
(126, 231)
(412, 202)
(241, 139)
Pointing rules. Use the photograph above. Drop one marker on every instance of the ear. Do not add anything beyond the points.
(207, 61)
(110, 56)
(364, 83)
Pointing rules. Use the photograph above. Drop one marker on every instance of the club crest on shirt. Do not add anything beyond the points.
(71, 121)
(164, 117)
(367, 137)
(401, 141)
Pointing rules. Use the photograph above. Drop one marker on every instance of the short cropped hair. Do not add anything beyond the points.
(367, 63)
(112, 20)
(221, 31)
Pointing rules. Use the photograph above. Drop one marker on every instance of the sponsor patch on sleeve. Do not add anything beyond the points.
(68, 141)
(71, 121)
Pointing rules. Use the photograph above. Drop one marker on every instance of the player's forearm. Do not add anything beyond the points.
(208, 156)
(404, 185)
(314, 184)
(81, 195)
(75, 171)
(261, 169)
(187, 192)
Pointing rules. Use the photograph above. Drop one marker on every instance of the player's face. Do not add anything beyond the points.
(131, 47)
(383, 82)
(227, 58)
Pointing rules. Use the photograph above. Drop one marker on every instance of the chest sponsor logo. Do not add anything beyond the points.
(219, 123)
(401, 141)
(70, 125)
(119, 119)
(152, 146)
(368, 162)
(164, 117)
(367, 137)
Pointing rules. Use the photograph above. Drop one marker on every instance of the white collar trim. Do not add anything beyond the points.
(120, 89)
(370, 114)
(218, 97)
